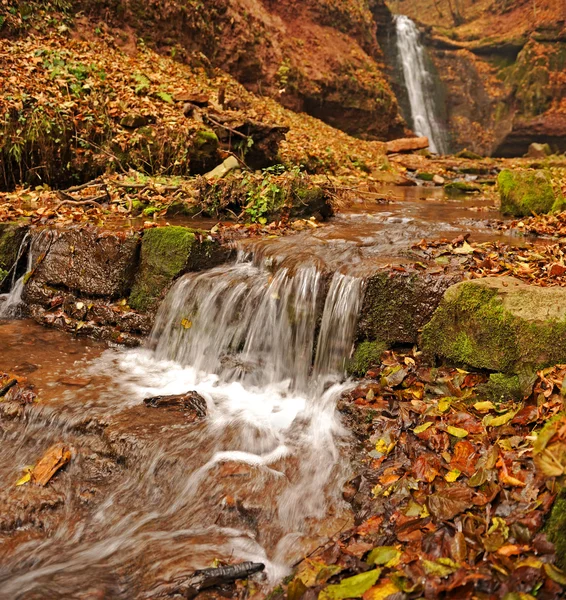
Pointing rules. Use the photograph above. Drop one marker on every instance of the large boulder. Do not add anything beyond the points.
(500, 324)
(88, 261)
(527, 192)
(397, 305)
(166, 253)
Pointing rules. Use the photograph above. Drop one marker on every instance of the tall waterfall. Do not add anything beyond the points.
(419, 83)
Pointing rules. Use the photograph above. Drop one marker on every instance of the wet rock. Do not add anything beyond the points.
(397, 305)
(190, 402)
(11, 237)
(366, 355)
(406, 145)
(203, 154)
(500, 324)
(524, 192)
(89, 261)
(166, 253)
(537, 150)
(134, 121)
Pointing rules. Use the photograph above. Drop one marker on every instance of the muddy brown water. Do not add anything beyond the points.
(151, 494)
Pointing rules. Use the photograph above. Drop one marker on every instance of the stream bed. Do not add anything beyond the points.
(256, 473)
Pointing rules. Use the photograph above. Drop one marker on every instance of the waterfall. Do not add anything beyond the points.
(255, 324)
(419, 83)
(10, 302)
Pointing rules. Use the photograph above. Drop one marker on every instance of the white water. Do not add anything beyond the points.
(419, 84)
(10, 302)
(244, 336)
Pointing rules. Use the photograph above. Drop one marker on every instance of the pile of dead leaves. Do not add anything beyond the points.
(452, 493)
(539, 264)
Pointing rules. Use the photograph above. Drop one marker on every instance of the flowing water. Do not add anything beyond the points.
(258, 479)
(152, 495)
(420, 84)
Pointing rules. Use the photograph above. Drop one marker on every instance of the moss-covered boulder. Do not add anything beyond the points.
(11, 237)
(500, 324)
(203, 154)
(526, 192)
(367, 354)
(166, 253)
(397, 305)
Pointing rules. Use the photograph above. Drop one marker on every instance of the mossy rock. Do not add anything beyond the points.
(555, 529)
(462, 187)
(527, 192)
(501, 387)
(11, 237)
(425, 176)
(366, 355)
(500, 324)
(397, 305)
(166, 253)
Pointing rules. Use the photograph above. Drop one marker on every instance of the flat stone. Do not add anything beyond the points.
(89, 261)
(500, 324)
(406, 145)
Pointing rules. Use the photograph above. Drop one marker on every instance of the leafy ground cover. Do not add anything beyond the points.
(452, 492)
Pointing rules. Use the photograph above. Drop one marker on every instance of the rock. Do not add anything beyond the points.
(203, 153)
(196, 99)
(397, 305)
(462, 187)
(365, 356)
(11, 237)
(134, 121)
(537, 150)
(190, 402)
(468, 154)
(223, 169)
(438, 179)
(500, 324)
(406, 145)
(88, 261)
(526, 191)
(556, 529)
(166, 253)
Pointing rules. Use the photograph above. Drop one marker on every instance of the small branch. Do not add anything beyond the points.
(5, 388)
(92, 201)
(93, 183)
(218, 124)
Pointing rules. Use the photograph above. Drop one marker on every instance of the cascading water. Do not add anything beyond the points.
(259, 479)
(420, 84)
(10, 302)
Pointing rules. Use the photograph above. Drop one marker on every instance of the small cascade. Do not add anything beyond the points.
(256, 323)
(10, 302)
(420, 84)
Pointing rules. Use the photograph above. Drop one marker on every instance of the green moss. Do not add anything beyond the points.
(165, 254)
(556, 529)
(501, 387)
(150, 211)
(526, 192)
(365, 356)
(473, 327)
(425, 176)
(3, 275)
(461, 186)
(468, 154)
(11, 236)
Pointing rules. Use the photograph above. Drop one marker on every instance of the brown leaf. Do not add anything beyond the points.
(56, 457)
(448, 503)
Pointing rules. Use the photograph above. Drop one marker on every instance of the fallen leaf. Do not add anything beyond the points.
(351, 587)
(54, 459)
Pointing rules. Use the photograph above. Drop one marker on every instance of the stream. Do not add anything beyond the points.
(151, 494)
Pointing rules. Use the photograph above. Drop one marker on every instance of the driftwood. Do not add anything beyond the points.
(207, 578)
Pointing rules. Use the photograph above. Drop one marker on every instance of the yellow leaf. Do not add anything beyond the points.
(26, 476)
(452, 475)
(491, 421)
(423, 427)
(186, 324)
(444, 405)
(456, 431)
(484, 406)
(381, 592)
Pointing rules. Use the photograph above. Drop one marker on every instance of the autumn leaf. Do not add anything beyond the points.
(351, 587)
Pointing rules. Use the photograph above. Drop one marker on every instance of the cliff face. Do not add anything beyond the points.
(503, 65)
(317, 56)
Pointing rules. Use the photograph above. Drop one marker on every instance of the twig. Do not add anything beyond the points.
(93, 183)
(93, 201)
(5, 388)
(217, 123)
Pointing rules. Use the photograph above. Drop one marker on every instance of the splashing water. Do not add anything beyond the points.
(419, 83)
(259, 479)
